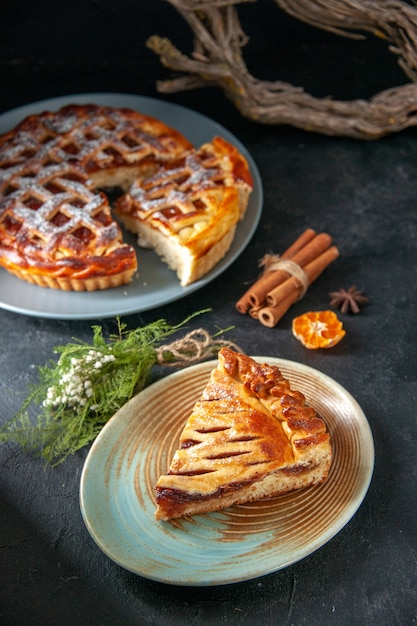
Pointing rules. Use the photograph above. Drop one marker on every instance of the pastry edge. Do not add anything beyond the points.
(271, 486)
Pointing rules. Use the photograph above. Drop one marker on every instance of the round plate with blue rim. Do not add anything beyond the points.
(240, 543)
(155, 284)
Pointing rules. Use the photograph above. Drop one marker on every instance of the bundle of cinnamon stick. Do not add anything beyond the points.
(286, 277)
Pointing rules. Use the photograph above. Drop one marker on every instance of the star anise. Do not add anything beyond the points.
(350, 300)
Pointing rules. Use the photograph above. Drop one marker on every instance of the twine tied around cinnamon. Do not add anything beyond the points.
(195, 346)
(271, 262)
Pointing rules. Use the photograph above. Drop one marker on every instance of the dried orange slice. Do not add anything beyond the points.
(318, 329)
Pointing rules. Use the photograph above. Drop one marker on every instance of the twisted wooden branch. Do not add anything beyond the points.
(217, 60)
(392, 20)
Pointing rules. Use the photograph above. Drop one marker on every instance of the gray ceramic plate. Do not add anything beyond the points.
(156, 285)
(240, 543)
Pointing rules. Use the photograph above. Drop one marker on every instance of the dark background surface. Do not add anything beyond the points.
(364, 194)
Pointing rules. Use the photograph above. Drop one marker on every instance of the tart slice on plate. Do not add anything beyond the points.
(250, 436)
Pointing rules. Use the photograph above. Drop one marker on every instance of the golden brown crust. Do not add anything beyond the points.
(95, 137)
(56, 230)
(188, 210)
(249, 436)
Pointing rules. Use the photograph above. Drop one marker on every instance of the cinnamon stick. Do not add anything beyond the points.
(243, 304)
(254, 312)
(270, 315)
(317, 245)
(286, 294)
(312, 271)
(255, 295)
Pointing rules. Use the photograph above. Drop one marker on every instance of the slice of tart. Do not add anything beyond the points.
(250, 436)
(189, 209)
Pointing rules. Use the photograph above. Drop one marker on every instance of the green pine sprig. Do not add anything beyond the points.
(78, 394)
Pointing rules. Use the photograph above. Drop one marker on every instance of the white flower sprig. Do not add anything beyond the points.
(75, 387)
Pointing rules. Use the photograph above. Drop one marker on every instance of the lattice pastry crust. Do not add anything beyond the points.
(249, 436)
(189, 209)
(56, 229)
